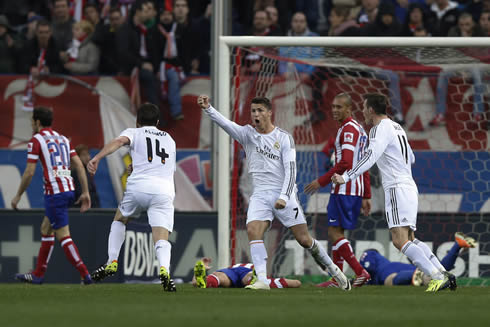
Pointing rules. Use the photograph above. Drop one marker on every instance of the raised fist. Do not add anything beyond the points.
(203, 101)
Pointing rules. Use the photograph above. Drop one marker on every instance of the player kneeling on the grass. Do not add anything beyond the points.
(346, 201)
(272, 164)
(389, 148)
(150, 187)
(238, 276)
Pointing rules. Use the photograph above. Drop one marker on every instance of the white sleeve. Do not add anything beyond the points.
(236, 131)
(129, 133)
(379, 138)
(412, 156)
(288, 152)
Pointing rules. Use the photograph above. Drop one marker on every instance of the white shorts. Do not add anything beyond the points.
(401, 205)
(160, 208)
(261, 207)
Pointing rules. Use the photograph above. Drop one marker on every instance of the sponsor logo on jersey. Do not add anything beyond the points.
(348, 137)
(276, 145)
(267, 154)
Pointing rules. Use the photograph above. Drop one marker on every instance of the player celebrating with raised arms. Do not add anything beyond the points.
(389, 148)
(150, 187)
(347, 200)
(272, 163)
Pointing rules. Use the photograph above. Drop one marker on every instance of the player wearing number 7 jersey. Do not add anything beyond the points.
(389, 148)
(56, 155)
(271, 158)
(150, 187)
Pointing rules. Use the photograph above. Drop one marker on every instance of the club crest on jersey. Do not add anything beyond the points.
(348, 137)
(29, 147)
(277, 145)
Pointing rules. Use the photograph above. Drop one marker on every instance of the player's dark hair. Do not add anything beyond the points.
(148, 115)
(376, 101)
(44, 115)
(263, 101)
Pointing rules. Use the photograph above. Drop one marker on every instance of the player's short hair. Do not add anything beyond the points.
(376, 101)
(263, 101)
(81, 148)
(148, 115)
(346, 96)
(44, 115)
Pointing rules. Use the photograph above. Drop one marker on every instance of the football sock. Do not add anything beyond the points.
(162, 250)
(71, 253)
(116, 240)
(259, 259)
(212, 281)
(344, 248)
(278, 283)
(428, 253)
(417, 256)
(320, 255)
(337, 258)
(403, 277)
(47, 245)
(450, 257)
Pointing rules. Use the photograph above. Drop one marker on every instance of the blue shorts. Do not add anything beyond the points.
(57, 208)
(343, 210)
(236, 275)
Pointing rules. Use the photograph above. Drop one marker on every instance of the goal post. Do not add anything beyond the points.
(225, 84)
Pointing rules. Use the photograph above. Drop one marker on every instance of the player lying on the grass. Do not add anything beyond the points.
(239, 275)
(387, 273)
(271, 154)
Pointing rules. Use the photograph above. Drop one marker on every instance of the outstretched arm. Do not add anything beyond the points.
(109, 148)
(234, 130)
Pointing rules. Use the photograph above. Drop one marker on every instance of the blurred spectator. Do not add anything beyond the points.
(136, 49)
(310, 9)
(170, 66)
(261, 25)
(420, 31)
(471, 75)
(62, 24)
(8, 47)
(186, 37)
(385, 23)
(341, 23)
(273, 19)
(83, 55)
(106, 42)
(368, 12)
(91, 14)
(416, 19)
(484, 23)
(42, 48)
(476, 7)
(152, 15)
(203, 28)
(446, 16)
(83, 153)
(466, 27)
(28, 32)
(299, 27)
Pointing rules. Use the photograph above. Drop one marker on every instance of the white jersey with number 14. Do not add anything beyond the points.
(153, 154)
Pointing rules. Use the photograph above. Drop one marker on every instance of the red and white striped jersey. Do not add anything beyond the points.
(350, 142)
(54, 151)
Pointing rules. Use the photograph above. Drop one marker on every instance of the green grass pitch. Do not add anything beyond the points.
(147, 305)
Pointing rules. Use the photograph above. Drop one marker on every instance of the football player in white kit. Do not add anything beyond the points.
(389, 148)
(150, 187)
(271, 161)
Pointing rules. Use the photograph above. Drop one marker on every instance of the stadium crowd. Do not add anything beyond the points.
(165, 41)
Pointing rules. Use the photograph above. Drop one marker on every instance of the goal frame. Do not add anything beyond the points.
(223, 83)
